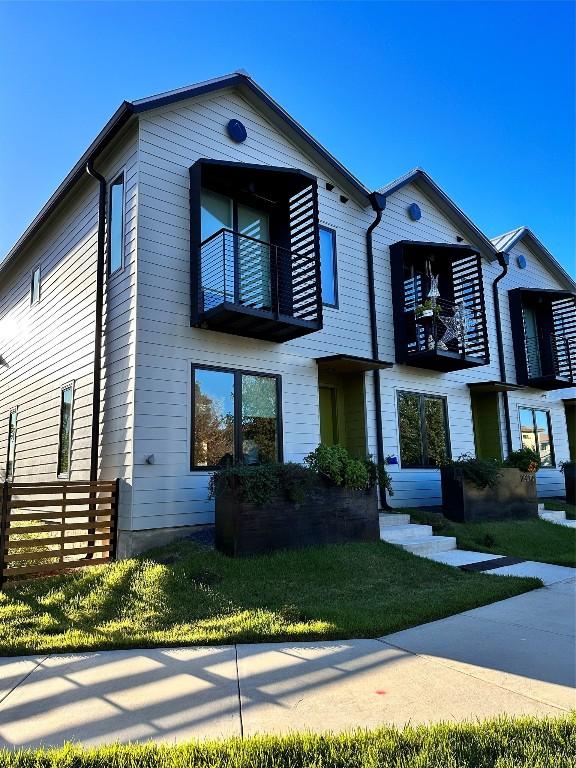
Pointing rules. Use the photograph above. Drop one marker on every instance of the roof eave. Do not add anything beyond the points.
(428, 186)
(110, 130)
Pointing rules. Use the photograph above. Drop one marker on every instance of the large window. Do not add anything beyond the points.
(536, 434)
(423, 424)
(236, 418)
(116, 225)
(11, 453)
(35, 286)
(328, 267)
(65, 432)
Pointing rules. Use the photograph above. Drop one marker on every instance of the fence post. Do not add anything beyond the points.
(114, 520)
(3, 530)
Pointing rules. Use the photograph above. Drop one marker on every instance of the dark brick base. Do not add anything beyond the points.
(514, 496)
(328, 516)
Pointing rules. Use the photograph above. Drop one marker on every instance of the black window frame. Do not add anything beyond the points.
(36, 271)
(237, 373)
(10, 475)
(119, 179)
(423, 396)
(535, 432)
(59, 473)
(334, 265)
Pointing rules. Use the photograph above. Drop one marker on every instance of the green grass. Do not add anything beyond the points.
(532, 539)
(498, 743)
(570, 509)
(186, 594)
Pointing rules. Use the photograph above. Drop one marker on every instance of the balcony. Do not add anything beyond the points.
(255, 261)
(438, 304)
(257, 289)
(543, 324)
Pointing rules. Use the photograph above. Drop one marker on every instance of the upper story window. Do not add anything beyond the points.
(438, 305)
(328, 267)
(35, 286)
(423, 426)
(543, 324)
(116, 225)
(11, 452)
(236, 417)
(255, 252)
(536, 434)
(65, 432)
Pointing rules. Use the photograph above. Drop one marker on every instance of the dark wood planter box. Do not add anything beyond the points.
(514, 496)
(329, 515)
(570, 482)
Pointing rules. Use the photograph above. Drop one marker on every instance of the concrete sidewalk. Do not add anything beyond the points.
(516, 657)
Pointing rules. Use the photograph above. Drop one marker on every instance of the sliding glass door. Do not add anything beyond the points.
(235, 268)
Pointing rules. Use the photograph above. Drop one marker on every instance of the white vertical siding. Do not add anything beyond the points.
(51, 343)
(171, 140)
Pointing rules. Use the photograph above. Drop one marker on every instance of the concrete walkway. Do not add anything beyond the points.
(516, 656)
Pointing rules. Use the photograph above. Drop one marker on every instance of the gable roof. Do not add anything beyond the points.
(505, 242)
(428, 186)
(256, 95)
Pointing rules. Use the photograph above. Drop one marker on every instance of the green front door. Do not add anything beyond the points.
(485, 416)
(328, 416)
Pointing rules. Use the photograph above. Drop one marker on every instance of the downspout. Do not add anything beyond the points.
(503, 261)
(100, 270)
(378, 202)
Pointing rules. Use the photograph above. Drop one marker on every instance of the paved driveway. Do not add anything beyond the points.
(516, 656)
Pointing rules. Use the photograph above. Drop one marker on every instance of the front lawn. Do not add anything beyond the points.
(504, 743)
(532, 539)
(187, 594)
(570, 509)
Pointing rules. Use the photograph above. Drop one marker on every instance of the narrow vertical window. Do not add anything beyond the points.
(11, 453)
(35, 286)
(116, 225)
(536, 434)
(423, 427)
(65, 433)
(213, 418)
(328, 270)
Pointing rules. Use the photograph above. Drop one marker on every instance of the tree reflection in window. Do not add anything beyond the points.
(423, 427)
(220, 438)
(213, 418)
(259, 419)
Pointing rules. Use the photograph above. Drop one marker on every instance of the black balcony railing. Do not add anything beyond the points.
(449, 326)
(263, 280)
(559, 361)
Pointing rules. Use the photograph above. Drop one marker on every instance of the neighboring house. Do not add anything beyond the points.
(258, 299)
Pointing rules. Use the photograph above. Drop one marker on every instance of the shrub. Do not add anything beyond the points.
(563, 464)
(525, 460)
(483, 473)
(257, 484)
(335, 464)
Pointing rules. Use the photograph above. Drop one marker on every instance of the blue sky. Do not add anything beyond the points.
(481, 95)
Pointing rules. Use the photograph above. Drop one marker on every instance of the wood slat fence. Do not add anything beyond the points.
(48, 528)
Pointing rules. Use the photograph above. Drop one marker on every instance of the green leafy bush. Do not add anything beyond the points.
(334, 463)
(483, 473)
(257, 484)
(525, 459)
(564, 464)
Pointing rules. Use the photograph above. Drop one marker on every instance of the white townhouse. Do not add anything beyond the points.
(209, 284)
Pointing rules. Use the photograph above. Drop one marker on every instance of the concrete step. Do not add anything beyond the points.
(401, 533)
(428, 545)
(391, 518)
(553, 515)
(560, 521)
